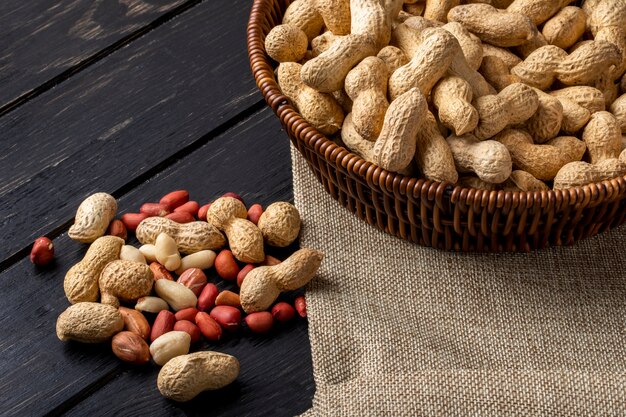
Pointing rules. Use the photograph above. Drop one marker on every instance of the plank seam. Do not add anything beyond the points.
(96, 57)
(141, 178)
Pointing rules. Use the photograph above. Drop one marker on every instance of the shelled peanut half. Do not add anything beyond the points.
(520, 95)
(156, 301)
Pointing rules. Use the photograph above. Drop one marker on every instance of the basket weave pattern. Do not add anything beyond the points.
(426, 212)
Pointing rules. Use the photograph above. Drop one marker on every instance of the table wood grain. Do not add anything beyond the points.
(174, 108)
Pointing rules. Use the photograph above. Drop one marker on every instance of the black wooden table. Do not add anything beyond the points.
(135, 98)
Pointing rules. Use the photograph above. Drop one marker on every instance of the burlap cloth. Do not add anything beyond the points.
(401, 330)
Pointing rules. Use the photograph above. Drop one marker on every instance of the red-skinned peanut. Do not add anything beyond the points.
(228, 317)
(283, 312)
(175, 198)
(226, 265)
(209, 328)
(260, 322)
(206, 300)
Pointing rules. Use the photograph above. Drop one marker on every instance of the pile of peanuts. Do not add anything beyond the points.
(514, 95)
(155, 301)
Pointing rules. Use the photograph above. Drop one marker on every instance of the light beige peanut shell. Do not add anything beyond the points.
(575, 117)
(546, 123)
(370, 32)
(523, 181)
(280, 224)
(81, 281)
(475, 182)
(541, 161)
(303, 15)
(538, 10)
(223, 210)
(610, 89)
(616, 36)
(508, 57)
(460, 68)
(514, 104)
(622, 84)
(393, 58)
(536, 42)
(336, 15)
(618, 109)
(93, 217)
(566, 27)
(432, 154)
(588, 63)
(190, 237)
(366, 85)
(590, 98)
(286, 43)
(539, 69)
(497, 73)
(427, 66)
(263, 284)
(589, 5)
(343, 100)
(572, 149)
(489, 160)
(184, 377)
(406, 38)
(322, 42)
(126, 280)
(452, 96)
(581, 173)
(622, 156)
(493, 26)
(470, 44)
(89, 323)
(355, 142)
(321, 110)
(413, 9)
(438, 9)
(607, 13)
(395, 147)
(603, 137)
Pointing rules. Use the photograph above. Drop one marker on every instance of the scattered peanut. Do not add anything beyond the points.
(151, 304)
(130, 348)
(131, 253)
(263, 284)
(166, 252)
(176, 295)
(135, 322)
(203, 259)
(245, 239)
(280, 224)
(88, 322)
(184, 377)
(169, 346)
(81, 281)
(190, 237)
(42, 252)
(93, 217)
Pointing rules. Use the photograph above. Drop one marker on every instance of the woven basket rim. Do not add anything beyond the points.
(393, 183)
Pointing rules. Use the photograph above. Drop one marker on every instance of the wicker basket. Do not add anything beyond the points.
(426, 212)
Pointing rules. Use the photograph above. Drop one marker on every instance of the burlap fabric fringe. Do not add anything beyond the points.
(401, 330)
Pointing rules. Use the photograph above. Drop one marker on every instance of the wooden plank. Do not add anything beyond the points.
(40, 40)
(38, 373)
(110, 124)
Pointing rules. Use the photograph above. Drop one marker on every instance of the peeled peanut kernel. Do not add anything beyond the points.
(167, 252)
(131, 348)
(131, 253)
(170, 345)
(176, 295)
(149, 252)
(203, 259)
(151, 304)
(135, 321)
(159, 272)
